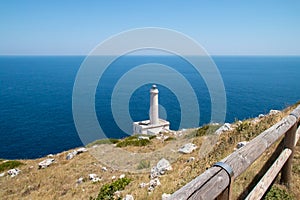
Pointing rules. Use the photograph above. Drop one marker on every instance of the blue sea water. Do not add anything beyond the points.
(36, 96)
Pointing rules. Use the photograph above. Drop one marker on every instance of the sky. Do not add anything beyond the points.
(73, 27)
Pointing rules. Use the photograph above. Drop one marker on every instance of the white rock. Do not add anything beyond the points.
(261, 115)
(71, 155)
(80, 180)
(2, 174)
(191, 159)
(153, 184)
(143, 138)
(225, 127)
(13, 172)
(122, 176)
(81, 150)
(104, 169)
(162, 166)
(241, 144)
(46, 163)
(113, 177)
(187, 148)
(94, 178)
(165, 196)
(142, 185)
(273, 112)
(117, 194)
(50, 155)
(128, 197)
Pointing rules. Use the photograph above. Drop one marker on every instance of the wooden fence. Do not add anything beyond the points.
(216, 182)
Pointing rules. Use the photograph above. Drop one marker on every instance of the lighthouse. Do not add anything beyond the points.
(153, 112)
(154, 124)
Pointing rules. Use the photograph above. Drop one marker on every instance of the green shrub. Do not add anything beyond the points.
(245, 125)
(206, 130)
(135, 142)
(104, 141)
(107, 190)
(9, 165)
(277, 193)
(144, 164)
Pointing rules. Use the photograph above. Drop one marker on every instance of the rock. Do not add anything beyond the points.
(71, 155)
(94, 178)
(191, 159)
(273, 112)
(165, 196)
(162, 166)
(142, 185)
(113, 177)
(143, 138)
(13, 172)
(2, 174)
(80, 180)
(225, 127)
(153, 184)
(104, 169)
(50, 155)
(261, 115)
(46, 163)
(128, 197)
(187, 148)
(81, 150)
(117, 194)
(241, 144)
(122, 176)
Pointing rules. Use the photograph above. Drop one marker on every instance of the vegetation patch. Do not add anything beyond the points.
(135, 142)
(104, 141)
(107, 190)
(278, 193)
(144, 164)
(204, 130)
(9, 165)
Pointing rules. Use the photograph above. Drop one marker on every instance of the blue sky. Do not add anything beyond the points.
(70, 27)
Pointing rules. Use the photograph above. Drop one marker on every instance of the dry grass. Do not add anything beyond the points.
(59, 180)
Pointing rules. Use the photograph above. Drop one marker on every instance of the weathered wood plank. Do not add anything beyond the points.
(263, 185)
(241, 159)
(289, 142)
(297, 136)
(186, 191)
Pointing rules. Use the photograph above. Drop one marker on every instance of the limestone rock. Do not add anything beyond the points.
(94, 178)
(122, 176)
(241, 144)
(225, 127)
(2, 174)
(261, 115)
(165, 196)
(273, 112)
(80, 180)
(128, 197)
(13, 172)
(104, 169)
(142, 185)
(46, 163)
(162, 166)
(81, 150)
(153, 184)
(187, 148)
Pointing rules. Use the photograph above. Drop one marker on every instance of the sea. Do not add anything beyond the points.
(36, 95)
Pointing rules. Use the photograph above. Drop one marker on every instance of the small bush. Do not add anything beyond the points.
(144, 164)
(245, 125)
(107, 190)
(136, 142)
(104, 141)
(9, 165)
(277, 193)
(170, 139)
(206, 130)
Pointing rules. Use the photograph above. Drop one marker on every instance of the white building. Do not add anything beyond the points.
(154, 125)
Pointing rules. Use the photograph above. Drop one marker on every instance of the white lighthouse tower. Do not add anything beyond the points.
(153, 113)
(154, 125)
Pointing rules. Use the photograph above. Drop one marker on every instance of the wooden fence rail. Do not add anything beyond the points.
(216, 182)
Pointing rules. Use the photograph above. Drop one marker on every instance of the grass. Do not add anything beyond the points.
(277, 193)
(108, 190)
(144, 164)
(104, 141)
(9, 165)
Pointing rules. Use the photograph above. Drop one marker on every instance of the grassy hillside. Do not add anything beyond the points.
(59, 180)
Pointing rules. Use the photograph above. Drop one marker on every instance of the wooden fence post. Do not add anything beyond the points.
(289, 142)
